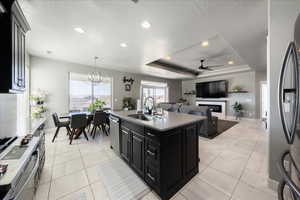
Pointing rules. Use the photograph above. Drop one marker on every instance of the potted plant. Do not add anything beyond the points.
(237, 89)
(237, 107)
(128, 103)
(98, 105)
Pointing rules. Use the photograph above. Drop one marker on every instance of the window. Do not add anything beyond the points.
(83, 92)
(157, 90)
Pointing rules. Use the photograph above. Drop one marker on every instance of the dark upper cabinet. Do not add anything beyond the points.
(13, 54)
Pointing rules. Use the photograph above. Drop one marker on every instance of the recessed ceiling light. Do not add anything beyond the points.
(123, 45)
(168, 57)
(205, 43)
(146, 24)
(48, 52)
(231, 62)
(79, 30)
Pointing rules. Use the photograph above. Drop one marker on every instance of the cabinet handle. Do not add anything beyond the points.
(150, 134)
(151, 177)
(150, 153)
(19, 83)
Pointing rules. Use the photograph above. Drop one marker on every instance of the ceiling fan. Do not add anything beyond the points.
(208, 68)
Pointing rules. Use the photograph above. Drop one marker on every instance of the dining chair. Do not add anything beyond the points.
(59, 124)
(78, 123)
(99, 121)
(107, 121)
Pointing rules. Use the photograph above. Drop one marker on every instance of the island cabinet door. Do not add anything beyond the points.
(173, 159)
(125, 144)
(137, 161)
(191, 149)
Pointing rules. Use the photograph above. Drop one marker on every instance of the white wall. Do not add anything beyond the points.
(53, 76)
(282, 16)
(246, 80)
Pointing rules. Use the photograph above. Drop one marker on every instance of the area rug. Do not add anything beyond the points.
(223, 125)
(120, 181)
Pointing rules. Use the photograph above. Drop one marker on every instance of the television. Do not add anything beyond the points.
(212, 89)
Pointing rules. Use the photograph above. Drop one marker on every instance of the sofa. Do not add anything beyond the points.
(209, 127)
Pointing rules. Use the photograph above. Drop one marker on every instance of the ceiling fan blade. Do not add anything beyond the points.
(204, 69)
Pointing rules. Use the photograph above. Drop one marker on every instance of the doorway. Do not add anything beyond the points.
(264, 100)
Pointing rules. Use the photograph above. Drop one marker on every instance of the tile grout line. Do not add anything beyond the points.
(244, 169)
(86, 173)
(73, 173)
(52, 166)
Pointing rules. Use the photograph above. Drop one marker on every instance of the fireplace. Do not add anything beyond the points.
(218, 107)
(214, 108)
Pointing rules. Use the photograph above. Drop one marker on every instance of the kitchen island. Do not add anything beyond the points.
(162, 150)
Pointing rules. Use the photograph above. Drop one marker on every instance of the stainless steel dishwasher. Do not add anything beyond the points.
(114, 134)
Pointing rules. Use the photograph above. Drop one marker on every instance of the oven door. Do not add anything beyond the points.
(26, 187)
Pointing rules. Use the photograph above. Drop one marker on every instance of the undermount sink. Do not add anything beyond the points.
(140, 117)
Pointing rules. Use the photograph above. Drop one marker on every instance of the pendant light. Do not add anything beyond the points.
(95, 77)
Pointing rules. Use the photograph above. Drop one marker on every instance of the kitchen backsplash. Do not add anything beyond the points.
(8, 114)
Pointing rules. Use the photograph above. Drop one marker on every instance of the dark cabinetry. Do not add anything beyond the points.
(138, 153)
(165, 160)
(13, 54)
(125, 144)
(132, 149)
(191, 149)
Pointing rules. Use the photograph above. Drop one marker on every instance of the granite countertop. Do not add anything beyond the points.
(168, 121)
(15, 166)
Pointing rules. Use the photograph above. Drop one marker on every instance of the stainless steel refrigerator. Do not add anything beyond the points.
(289, 99)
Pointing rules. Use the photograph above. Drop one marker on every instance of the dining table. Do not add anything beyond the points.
(89, 119)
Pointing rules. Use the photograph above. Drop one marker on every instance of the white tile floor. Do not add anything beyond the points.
(233, 167)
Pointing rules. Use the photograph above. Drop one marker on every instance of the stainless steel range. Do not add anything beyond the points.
(24, 158)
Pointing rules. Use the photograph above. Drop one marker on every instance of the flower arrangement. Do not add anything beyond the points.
(38, 97)
(98, 105)
(37, 111)
(37, 103)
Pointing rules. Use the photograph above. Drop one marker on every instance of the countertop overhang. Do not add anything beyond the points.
(169, 120)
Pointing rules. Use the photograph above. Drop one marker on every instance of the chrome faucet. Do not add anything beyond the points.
(150, 111)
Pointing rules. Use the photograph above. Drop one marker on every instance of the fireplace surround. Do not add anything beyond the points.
(218, 107)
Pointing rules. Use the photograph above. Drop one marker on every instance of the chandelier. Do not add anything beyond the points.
(95, 76)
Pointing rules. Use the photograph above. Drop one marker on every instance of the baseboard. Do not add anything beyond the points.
(232, 118)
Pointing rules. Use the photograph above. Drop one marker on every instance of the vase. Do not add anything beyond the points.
(238, 115)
